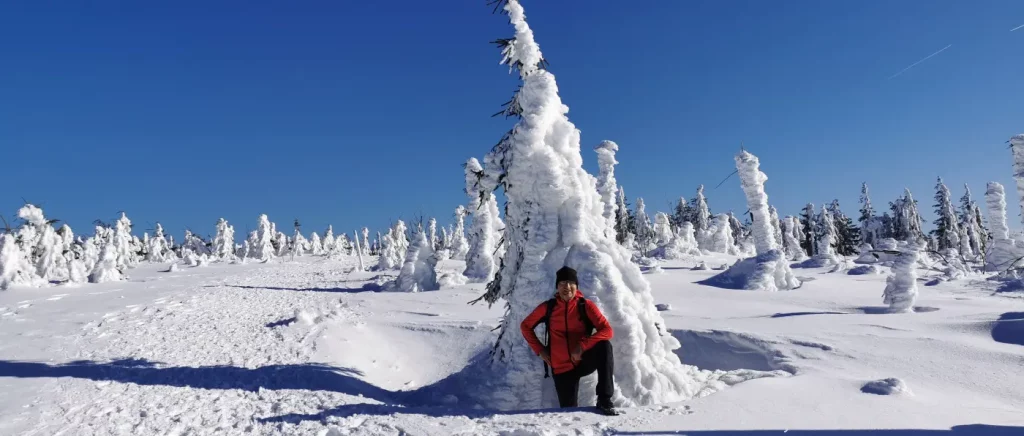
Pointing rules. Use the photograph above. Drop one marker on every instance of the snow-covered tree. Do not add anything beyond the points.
(947, 227)
(776, 224)
(719, 238)
(809, 223)
(739, 231)
(418, 274)
(281, 242)
(555, 217)
(1017, 148)
(329, 241)
(847, 234)
(224, 241)
(645, 237)
(432, 234)
(607, 186)
(901, 287)
(972, 241)
(358, 250)
(316, 247)
(389, 258)
(299, 243)
(825, 237)
(868, 230)
(623, 226)
(792, 233)
(768, 270)
(483, 232)
(701, 213)
(906, 221)
(106, 269)
(15, 267)
(460, 246)
(1002, 252)
(401, 239)
(663, 233)
(122, 244)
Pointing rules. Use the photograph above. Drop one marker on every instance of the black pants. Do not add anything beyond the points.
(597, 358)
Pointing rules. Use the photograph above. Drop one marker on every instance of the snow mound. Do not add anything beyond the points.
(864, 270)
(451, 280)
(702, 266)
(663, 307)
(761, 273)
(889, 386)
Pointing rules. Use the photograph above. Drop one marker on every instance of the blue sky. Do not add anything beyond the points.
(357, 113)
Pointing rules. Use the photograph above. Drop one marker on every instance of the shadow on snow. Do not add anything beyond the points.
(1009, 329)
(369, 287)
(972, 430)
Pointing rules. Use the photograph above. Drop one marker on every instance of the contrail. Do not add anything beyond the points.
(922, 60)
(1018, 27)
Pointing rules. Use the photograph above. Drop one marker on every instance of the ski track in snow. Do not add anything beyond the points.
(298, 348)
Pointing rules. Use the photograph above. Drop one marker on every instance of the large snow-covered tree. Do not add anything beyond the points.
(329, 242)
(15, 267)
(645, 237)
(947, 226)
(776, 224)
(623, 219)
(481, 264)
(809, 225)
(847, 234)
(906, 221)
(418, 274)
(792, 235)
(901, 287)
(1002, 252)
(159, 248)
(224, 241)
(1017, 148)
(265, 235)
(973, 233)
(555, 217)
(701, 213)
(662, 229)
(606, 183)
(123, 246)
(316, 246)
(824, 251)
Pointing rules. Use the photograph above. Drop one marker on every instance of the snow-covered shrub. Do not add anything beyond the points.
(418, 274)
(483, 232)
(769, 269)
(901, 287)
(682, 244)
(555, 218)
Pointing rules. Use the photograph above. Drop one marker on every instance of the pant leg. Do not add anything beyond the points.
(601, 359)
(567, 385)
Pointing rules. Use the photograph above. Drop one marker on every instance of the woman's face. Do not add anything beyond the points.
(566, 290)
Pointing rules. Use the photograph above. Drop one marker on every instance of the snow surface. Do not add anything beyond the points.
(307, 347)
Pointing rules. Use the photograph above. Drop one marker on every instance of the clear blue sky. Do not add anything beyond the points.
(358, 112)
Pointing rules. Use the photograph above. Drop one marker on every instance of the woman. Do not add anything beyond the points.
(578, 342)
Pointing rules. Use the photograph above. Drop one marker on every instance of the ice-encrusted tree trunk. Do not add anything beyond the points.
(947, 227)
(607, 186)
(901, 287)
(460, 246)
(224, 241)
(418, 274)
(555, 217)
(768, 270)
(1017, 148)
(1002, 252)
(483, 232)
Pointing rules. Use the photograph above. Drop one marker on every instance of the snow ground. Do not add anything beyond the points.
(307, 347)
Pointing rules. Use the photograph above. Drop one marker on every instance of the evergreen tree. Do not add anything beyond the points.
(701, 214)
(868, 232)
(682, 213)
(776, 224)
(947, 229)
(607, 186)
(847, 234)
(906, 221)
(623, 228)
(808, 221)
(644, 230)
(972, 242)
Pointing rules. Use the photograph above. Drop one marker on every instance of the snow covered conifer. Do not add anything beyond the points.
(719, 239)
(106, 269)
(483, 233)
(358, 250)
(623, 229)
(329, 241)
(15, 267)
(901, 287)
(768, 270)
(776, 223)
(418, 274)
(826, 237)
(399, 229)
(847, 234)
(1002, 252)
(947, 227)
(868, 231)
(299, 243)
(791, 235)
(701, 213)
(972, 243)
(607, 186)
(645, 237)
(224, 242)
(662, 229)
(810, 230)
(555, 217)
(316, 247)
(159, 249)
(122, 243)
(906, 221)
(281, 243)
(1017, 148)
(460, 246)
(389, 257)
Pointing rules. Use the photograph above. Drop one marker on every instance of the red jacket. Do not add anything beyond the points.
(567, 331)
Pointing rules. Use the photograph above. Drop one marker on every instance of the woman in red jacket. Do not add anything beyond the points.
(572, 351)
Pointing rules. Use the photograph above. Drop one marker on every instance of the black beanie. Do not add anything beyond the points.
(566, 273)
